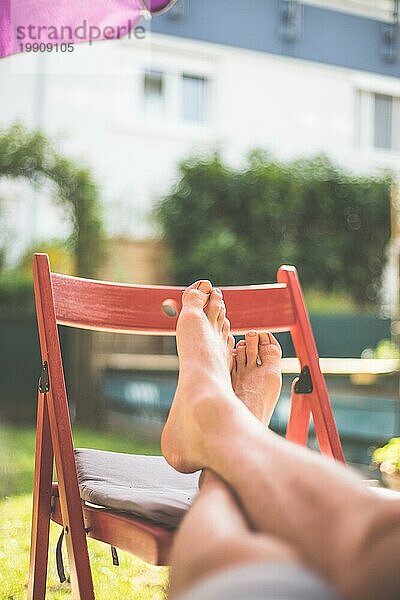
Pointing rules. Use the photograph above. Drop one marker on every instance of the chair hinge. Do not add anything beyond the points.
(304, 384)
(114, 556)
(44, 383)
(59, 558)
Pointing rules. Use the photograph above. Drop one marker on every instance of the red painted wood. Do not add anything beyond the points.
(91, 304)
(60, 427)
(299, 418)
(138, 309)
(306, 350)
(126, 532)
(41, 504)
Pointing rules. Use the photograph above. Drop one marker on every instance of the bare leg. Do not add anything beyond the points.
(215, 536)
(320, 508)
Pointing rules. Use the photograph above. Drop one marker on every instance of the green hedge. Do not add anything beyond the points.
(30, 155)
(237, 226)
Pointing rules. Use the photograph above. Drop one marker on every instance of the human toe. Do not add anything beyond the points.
(251, 347)
(231, 343)
(214, 305)
(241, 353)
(221, 316)
(269, 348)
(226, 327)
(197, 294)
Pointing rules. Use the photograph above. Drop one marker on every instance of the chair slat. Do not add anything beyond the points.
(99, 305)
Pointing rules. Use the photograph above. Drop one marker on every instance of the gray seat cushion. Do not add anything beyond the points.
(145, 486)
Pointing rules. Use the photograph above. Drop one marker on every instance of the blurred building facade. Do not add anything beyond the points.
(295, 78)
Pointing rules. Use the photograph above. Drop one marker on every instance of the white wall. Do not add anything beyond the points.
(90, 102)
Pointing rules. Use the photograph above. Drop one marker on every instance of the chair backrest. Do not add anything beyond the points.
(101, 305)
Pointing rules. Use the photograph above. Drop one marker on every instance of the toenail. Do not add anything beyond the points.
(252, 333)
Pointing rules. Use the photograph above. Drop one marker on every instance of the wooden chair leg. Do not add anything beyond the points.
(306, 351)
(72, 517)
(79, 565)
(324, 423)
(299, 418)
(41, 504)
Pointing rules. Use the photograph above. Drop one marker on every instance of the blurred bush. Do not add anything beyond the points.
(16, 285)
(60, 254)
(386, 349)
(325, 303)
(238, 226)
(16, 291)
(388, 457)
(29, 154)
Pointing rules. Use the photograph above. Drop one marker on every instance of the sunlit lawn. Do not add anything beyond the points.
(133, 579)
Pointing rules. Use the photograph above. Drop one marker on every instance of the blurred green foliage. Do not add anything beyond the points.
(386, 349)
(388, 454)
(16, 290)
(60, 254)
(326, 303)
(16, 285)
(237, 226)
(29, 154)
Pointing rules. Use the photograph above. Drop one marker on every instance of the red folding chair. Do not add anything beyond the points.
(99, 305)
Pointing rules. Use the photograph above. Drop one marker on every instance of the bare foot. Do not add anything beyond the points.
(204, 392)
(256, 373)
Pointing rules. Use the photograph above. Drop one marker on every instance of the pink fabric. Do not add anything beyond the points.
(64, 21)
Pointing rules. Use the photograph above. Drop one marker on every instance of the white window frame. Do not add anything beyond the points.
(207, 100)
(165, 86)
(174, 65)
(365, 120)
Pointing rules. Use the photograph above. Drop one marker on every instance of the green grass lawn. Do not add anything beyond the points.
(133, 579)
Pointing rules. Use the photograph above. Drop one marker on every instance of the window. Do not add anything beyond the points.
(383, 121)
(378, 117)
(174, 98)
(154, 93)
(386, 122)
(194, 98)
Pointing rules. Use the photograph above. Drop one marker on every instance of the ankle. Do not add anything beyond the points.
(213, 411)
